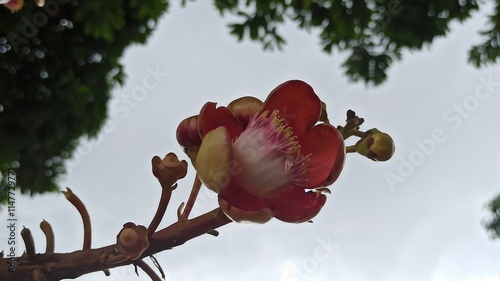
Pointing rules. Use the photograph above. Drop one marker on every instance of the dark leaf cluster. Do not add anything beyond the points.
(373, 32)
(493, 224)
(58, 65)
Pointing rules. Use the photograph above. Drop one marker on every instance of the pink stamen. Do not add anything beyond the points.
(269, 155)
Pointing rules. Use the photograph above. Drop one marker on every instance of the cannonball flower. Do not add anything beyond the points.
(16, 5)
(267, 159)
(13, 5)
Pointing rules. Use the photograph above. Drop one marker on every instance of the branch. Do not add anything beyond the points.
(72, 265)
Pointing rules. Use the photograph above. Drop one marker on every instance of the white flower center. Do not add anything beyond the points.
(269, 156)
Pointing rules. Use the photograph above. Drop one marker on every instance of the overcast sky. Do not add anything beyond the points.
(416, 217)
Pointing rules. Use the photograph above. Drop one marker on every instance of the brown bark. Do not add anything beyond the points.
(57, 266)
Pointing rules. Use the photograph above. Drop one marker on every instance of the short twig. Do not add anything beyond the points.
(87, 231)
(149, 271)
(49, 236)
(166, 193)
(28, 241)
(158, 266)
(192, 198)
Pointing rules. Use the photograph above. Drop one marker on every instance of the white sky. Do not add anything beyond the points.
(425, 227)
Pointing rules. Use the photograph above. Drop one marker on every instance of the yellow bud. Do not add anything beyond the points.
(377, 146)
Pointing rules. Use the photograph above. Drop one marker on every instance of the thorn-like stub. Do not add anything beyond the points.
(68, 193)
(180, 210)
(213, 232)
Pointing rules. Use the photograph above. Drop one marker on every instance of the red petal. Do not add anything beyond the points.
(187, 132)
(214, 159)
(298, 206)
(297, 104)
(241, 206)
(244, 108)
(335, 172)
(241, 199)
(239, 215)
(211, 117)
(326, 145)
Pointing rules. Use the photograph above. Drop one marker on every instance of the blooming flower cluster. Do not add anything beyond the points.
(266, 159)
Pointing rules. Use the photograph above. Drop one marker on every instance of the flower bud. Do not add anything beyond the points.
(169, 169)
(377, 146)
(188, 136)
(132, 240)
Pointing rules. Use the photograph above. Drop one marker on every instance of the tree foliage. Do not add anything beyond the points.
(493, 225)
(57, 67)
(58, 63)
(374, 33)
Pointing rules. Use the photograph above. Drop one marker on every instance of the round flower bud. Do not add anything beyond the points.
(132, 240)
(377, 146)
(188, 136)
